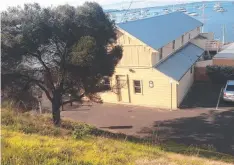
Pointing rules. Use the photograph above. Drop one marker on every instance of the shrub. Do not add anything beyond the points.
(220, 74)
(81, 130)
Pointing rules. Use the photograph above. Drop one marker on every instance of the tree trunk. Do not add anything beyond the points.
(56, 103)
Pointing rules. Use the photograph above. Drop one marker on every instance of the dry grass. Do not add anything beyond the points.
(33, 140)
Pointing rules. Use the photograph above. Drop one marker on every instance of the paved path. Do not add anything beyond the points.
(204, 126)
(124, 118)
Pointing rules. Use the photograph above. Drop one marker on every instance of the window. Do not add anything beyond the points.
(173, 45)
(230, 88)
(160, 53)
(137, 86)
(198, 28)
(189, 36)
(191, 70)
(182, 40)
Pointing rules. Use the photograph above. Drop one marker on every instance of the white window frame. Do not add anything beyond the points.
(134, 87)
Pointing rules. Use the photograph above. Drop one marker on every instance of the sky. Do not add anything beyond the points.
(106, 4)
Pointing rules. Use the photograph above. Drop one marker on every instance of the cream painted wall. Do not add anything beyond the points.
(168, 49)
(135, 53)
(200, 42)
(159, 96)
(140, 58)
(184, 85)
(138, 54)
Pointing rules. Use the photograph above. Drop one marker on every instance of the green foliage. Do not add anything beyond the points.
(61, 45)
(81, 131)
(220, 74)
(84, 51)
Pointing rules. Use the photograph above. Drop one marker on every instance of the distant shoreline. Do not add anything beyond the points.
(166, 5)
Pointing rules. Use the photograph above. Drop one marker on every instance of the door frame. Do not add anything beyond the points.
(119, 88)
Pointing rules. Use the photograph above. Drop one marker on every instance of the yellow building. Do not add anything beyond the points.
(157, 67)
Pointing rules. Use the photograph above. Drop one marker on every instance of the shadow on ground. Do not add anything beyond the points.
(213, 131)
(119, 127)
(204, 95)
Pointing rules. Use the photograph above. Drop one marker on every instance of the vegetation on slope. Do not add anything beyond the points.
(32, 139)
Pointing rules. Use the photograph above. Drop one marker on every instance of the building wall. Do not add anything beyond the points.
(136, 64)
(168, 49)
(138, 54)
(135, 53)
(184, 85)
(200, 74)
(223, 62)
(159, 96)
(202, 42)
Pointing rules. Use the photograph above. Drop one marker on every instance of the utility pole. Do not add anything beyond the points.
(203, 17)
(224, 28)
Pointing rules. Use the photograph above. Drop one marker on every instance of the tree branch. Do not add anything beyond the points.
(37, 82)
(63, 65)
(46, 68)
(75, 99)
(56, 44)
(45, 90)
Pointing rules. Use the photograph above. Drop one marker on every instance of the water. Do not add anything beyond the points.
(213, 21)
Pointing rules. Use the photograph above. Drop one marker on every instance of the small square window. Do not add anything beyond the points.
(173, 45)
(137, 86)
(160, 53)
(191, 70)
(182, 40)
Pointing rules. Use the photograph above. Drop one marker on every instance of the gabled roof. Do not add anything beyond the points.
(227, 53)
(158, 31)
(180, 62)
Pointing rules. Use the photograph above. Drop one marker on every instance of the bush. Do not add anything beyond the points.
(81, 130)
(220, 74)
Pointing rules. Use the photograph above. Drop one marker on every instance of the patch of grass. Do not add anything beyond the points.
(32, 139)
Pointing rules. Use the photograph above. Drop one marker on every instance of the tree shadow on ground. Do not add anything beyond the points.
(204, 95)
(210, 131)
(119, 127)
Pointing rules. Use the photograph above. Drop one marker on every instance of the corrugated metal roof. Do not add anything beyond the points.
(227, 53)
(160, 30)
(180, 62)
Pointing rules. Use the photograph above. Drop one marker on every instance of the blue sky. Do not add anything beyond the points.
(119, 4)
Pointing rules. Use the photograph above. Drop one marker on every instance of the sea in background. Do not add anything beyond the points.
(220, 23)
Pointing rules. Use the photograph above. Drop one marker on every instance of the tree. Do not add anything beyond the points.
(58, 49)
(220, 74)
